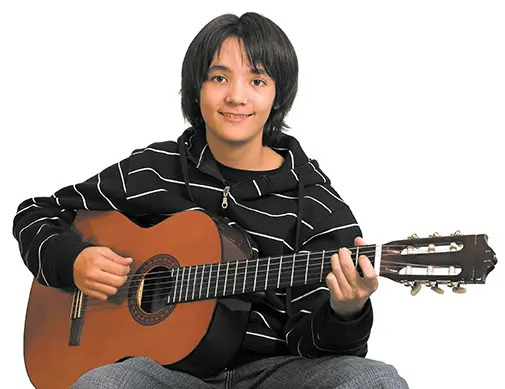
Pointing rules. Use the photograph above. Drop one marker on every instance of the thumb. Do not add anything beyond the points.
(358, 241)
(126, 261)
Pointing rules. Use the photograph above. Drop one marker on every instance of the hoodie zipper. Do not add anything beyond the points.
(226, 192)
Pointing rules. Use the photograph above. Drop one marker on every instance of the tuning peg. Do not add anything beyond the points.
(434, 235)
(437, 289)
(413, 236)
(416, 287)
(459, 289)
(458, 232)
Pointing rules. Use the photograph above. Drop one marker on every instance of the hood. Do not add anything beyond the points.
(297, 169)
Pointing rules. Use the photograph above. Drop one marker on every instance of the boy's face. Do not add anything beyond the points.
(232, 87)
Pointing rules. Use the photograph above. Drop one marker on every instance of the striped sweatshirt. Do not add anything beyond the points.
(291, 209)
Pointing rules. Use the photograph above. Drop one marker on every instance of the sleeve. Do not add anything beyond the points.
(42, 225)
(313, 328)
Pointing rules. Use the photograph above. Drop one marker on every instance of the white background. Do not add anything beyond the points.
(401, 102)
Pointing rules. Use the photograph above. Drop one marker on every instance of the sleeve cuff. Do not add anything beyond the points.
(61, 254)
(355, 317)
(335, 332)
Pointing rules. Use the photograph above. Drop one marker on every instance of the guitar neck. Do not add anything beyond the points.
(209, 281)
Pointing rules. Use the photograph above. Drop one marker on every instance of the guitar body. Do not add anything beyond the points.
(68, 334)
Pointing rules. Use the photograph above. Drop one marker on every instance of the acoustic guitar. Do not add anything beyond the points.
(189, 284)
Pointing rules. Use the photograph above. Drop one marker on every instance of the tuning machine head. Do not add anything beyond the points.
(416, 287)
(459, 289)
(437, 289)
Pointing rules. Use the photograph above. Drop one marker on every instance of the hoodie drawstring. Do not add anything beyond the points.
(185, 172)
(301, 187)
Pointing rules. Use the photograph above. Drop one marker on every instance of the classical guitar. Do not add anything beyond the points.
(182, 293)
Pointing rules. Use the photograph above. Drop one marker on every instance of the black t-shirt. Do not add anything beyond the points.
(234, 176)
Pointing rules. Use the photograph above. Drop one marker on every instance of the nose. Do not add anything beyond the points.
(236, 94)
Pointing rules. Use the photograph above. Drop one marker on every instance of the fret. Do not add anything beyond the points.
(279, 276)
(235, 278)
(208, 282)
(171, 278)
(182, 283)
(194, 282)
(307, 268)
(245, 275)
(292, 270)
(256, 274)
(322, 265)
(187, 286)
(226, 277)
(266, 277)
(217, 278)
(175, 288)
(201, 282)
(356, 258)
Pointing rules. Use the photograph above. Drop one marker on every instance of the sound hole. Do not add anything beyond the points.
(155, 290)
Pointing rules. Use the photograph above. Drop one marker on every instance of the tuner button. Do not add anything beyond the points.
(458, 232)
(416, 287)
(413, 236)
(437, 289)
(434, 235)
(459, 290)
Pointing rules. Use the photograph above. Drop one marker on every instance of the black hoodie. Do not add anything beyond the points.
(290, 209)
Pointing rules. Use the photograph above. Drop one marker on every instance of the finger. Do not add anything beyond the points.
(369, 277)
(113, 267)
(101, 288)
(116, 258)
(337, 270)
(105, 278)
(358, 241)
(95, 294)
(332, 284)
(349, 268)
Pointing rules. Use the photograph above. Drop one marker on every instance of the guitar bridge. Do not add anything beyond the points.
(77, 318)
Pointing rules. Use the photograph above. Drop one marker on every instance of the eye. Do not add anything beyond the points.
(257, 80)
(218, 79)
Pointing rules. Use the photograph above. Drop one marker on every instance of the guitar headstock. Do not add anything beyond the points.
(438, 260)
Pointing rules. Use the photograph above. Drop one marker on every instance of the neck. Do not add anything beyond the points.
(201, 282)
(245, 155)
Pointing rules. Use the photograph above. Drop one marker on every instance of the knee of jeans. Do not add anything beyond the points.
(384, 376)
(105, 377)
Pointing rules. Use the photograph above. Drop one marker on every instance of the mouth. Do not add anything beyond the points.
(235, 117)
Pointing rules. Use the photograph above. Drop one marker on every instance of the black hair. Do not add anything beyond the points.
(264, 42)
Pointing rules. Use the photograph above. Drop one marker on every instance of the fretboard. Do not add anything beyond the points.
(210, 281)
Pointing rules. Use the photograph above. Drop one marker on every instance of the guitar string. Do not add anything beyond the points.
(192, 291)
(241, 271)
(93, 304)
(240, 266)
(288, 257)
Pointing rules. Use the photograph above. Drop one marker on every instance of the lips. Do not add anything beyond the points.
(235, 115)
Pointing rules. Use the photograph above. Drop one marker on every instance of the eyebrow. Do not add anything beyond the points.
(226, 69)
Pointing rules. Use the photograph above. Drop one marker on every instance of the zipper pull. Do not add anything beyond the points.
(224, 203)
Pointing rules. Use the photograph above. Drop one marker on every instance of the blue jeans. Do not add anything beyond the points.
(343, 372)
